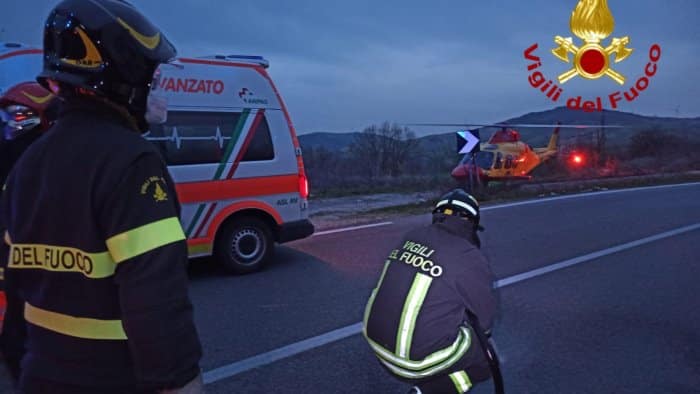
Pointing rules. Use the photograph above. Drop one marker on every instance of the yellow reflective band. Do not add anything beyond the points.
(414, 302)
(61, 259)
(199, 250)
(143, 239)
(461, 381)
(2, 274)
(79, 327)
(368, 308)
(437, 359)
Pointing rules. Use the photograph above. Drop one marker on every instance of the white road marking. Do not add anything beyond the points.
(592, 256)
(341, 230)
(585, 195)
(247, 364)
(234, 369)
(527, 202)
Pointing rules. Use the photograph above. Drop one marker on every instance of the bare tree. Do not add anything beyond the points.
(383, 150)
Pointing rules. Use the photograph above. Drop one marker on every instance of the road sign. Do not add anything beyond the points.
(467, 141)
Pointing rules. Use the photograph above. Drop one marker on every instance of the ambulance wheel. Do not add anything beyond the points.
(245, 245)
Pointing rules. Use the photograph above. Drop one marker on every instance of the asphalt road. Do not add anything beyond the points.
(624, 318)
(623, 322)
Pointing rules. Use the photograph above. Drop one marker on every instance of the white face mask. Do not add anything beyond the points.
(157, 103)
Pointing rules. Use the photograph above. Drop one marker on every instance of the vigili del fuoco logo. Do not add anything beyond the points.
(592, 22)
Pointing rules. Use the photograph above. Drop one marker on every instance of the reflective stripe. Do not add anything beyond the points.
(143, 239)
(199, 250)
(412, 305)
(368, 308)
(61, 259)
(439, 357)
(79, 327)
(7, 238)
(461, 381)
(458, 203)
(393, 367)
(2, 274)
(465, 206)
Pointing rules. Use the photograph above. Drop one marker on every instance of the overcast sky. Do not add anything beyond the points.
(343, 65)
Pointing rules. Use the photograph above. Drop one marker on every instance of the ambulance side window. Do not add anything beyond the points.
(260, 147)
(194, 137)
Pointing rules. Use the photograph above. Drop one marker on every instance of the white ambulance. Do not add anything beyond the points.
(230, 147)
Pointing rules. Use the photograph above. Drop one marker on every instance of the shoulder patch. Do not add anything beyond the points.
(156, 185)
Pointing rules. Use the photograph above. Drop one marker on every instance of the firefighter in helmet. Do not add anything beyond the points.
(427, 319)
(96, 279)
(26, 111)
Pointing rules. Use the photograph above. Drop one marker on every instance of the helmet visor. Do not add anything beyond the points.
(157, 102)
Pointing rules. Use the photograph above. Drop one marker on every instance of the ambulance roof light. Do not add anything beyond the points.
(259, 60)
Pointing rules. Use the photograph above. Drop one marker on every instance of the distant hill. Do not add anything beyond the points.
(633, 123)
(333, 142)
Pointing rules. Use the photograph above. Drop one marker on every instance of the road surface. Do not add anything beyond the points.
(598, 294)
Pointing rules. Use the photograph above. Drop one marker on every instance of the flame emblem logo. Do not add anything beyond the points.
(592, 22)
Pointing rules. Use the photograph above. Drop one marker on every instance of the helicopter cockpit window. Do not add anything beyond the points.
(509, 161)
(484, 160)
(499, 161)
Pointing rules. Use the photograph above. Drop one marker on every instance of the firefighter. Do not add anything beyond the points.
(26, 111)
(96, 279)
(433, 302)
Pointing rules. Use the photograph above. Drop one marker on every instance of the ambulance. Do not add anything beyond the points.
(231, 149)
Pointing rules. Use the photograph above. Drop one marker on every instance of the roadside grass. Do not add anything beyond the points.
(507, 193)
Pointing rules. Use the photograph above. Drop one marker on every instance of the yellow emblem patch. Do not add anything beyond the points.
(159, 194)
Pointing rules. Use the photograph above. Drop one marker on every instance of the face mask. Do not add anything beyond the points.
(156, 103)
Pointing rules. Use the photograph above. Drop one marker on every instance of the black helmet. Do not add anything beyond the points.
(459, 203)
(104, 48)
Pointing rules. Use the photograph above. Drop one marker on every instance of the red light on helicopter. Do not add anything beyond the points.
(577, 159)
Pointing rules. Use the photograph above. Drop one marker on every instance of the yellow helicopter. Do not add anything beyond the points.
(506, 157)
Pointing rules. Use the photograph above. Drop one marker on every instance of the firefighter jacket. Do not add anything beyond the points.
(415, 320)
(97, 261)
(10, 152)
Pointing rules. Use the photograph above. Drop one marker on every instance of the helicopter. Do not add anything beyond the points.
(505, 156)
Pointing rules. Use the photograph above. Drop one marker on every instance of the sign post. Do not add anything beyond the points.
(468, 144)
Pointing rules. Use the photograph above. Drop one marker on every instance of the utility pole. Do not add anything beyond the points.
(602, 139)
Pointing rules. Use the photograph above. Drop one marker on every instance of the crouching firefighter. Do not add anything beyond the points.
(428, 317)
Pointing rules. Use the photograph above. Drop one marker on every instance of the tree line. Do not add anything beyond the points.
(386, 154)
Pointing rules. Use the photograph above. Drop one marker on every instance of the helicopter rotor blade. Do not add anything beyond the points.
(518, 125)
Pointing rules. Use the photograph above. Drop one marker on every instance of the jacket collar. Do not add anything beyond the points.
(91, 108)
(459, 227)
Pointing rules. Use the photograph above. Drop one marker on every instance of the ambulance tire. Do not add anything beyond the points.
(244, 245)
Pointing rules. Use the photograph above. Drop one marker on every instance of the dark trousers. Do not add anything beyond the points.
(31, 385)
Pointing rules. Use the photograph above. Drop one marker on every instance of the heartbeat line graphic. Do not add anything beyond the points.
(177, 139)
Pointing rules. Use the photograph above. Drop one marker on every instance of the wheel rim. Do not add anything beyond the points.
(247, 244)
